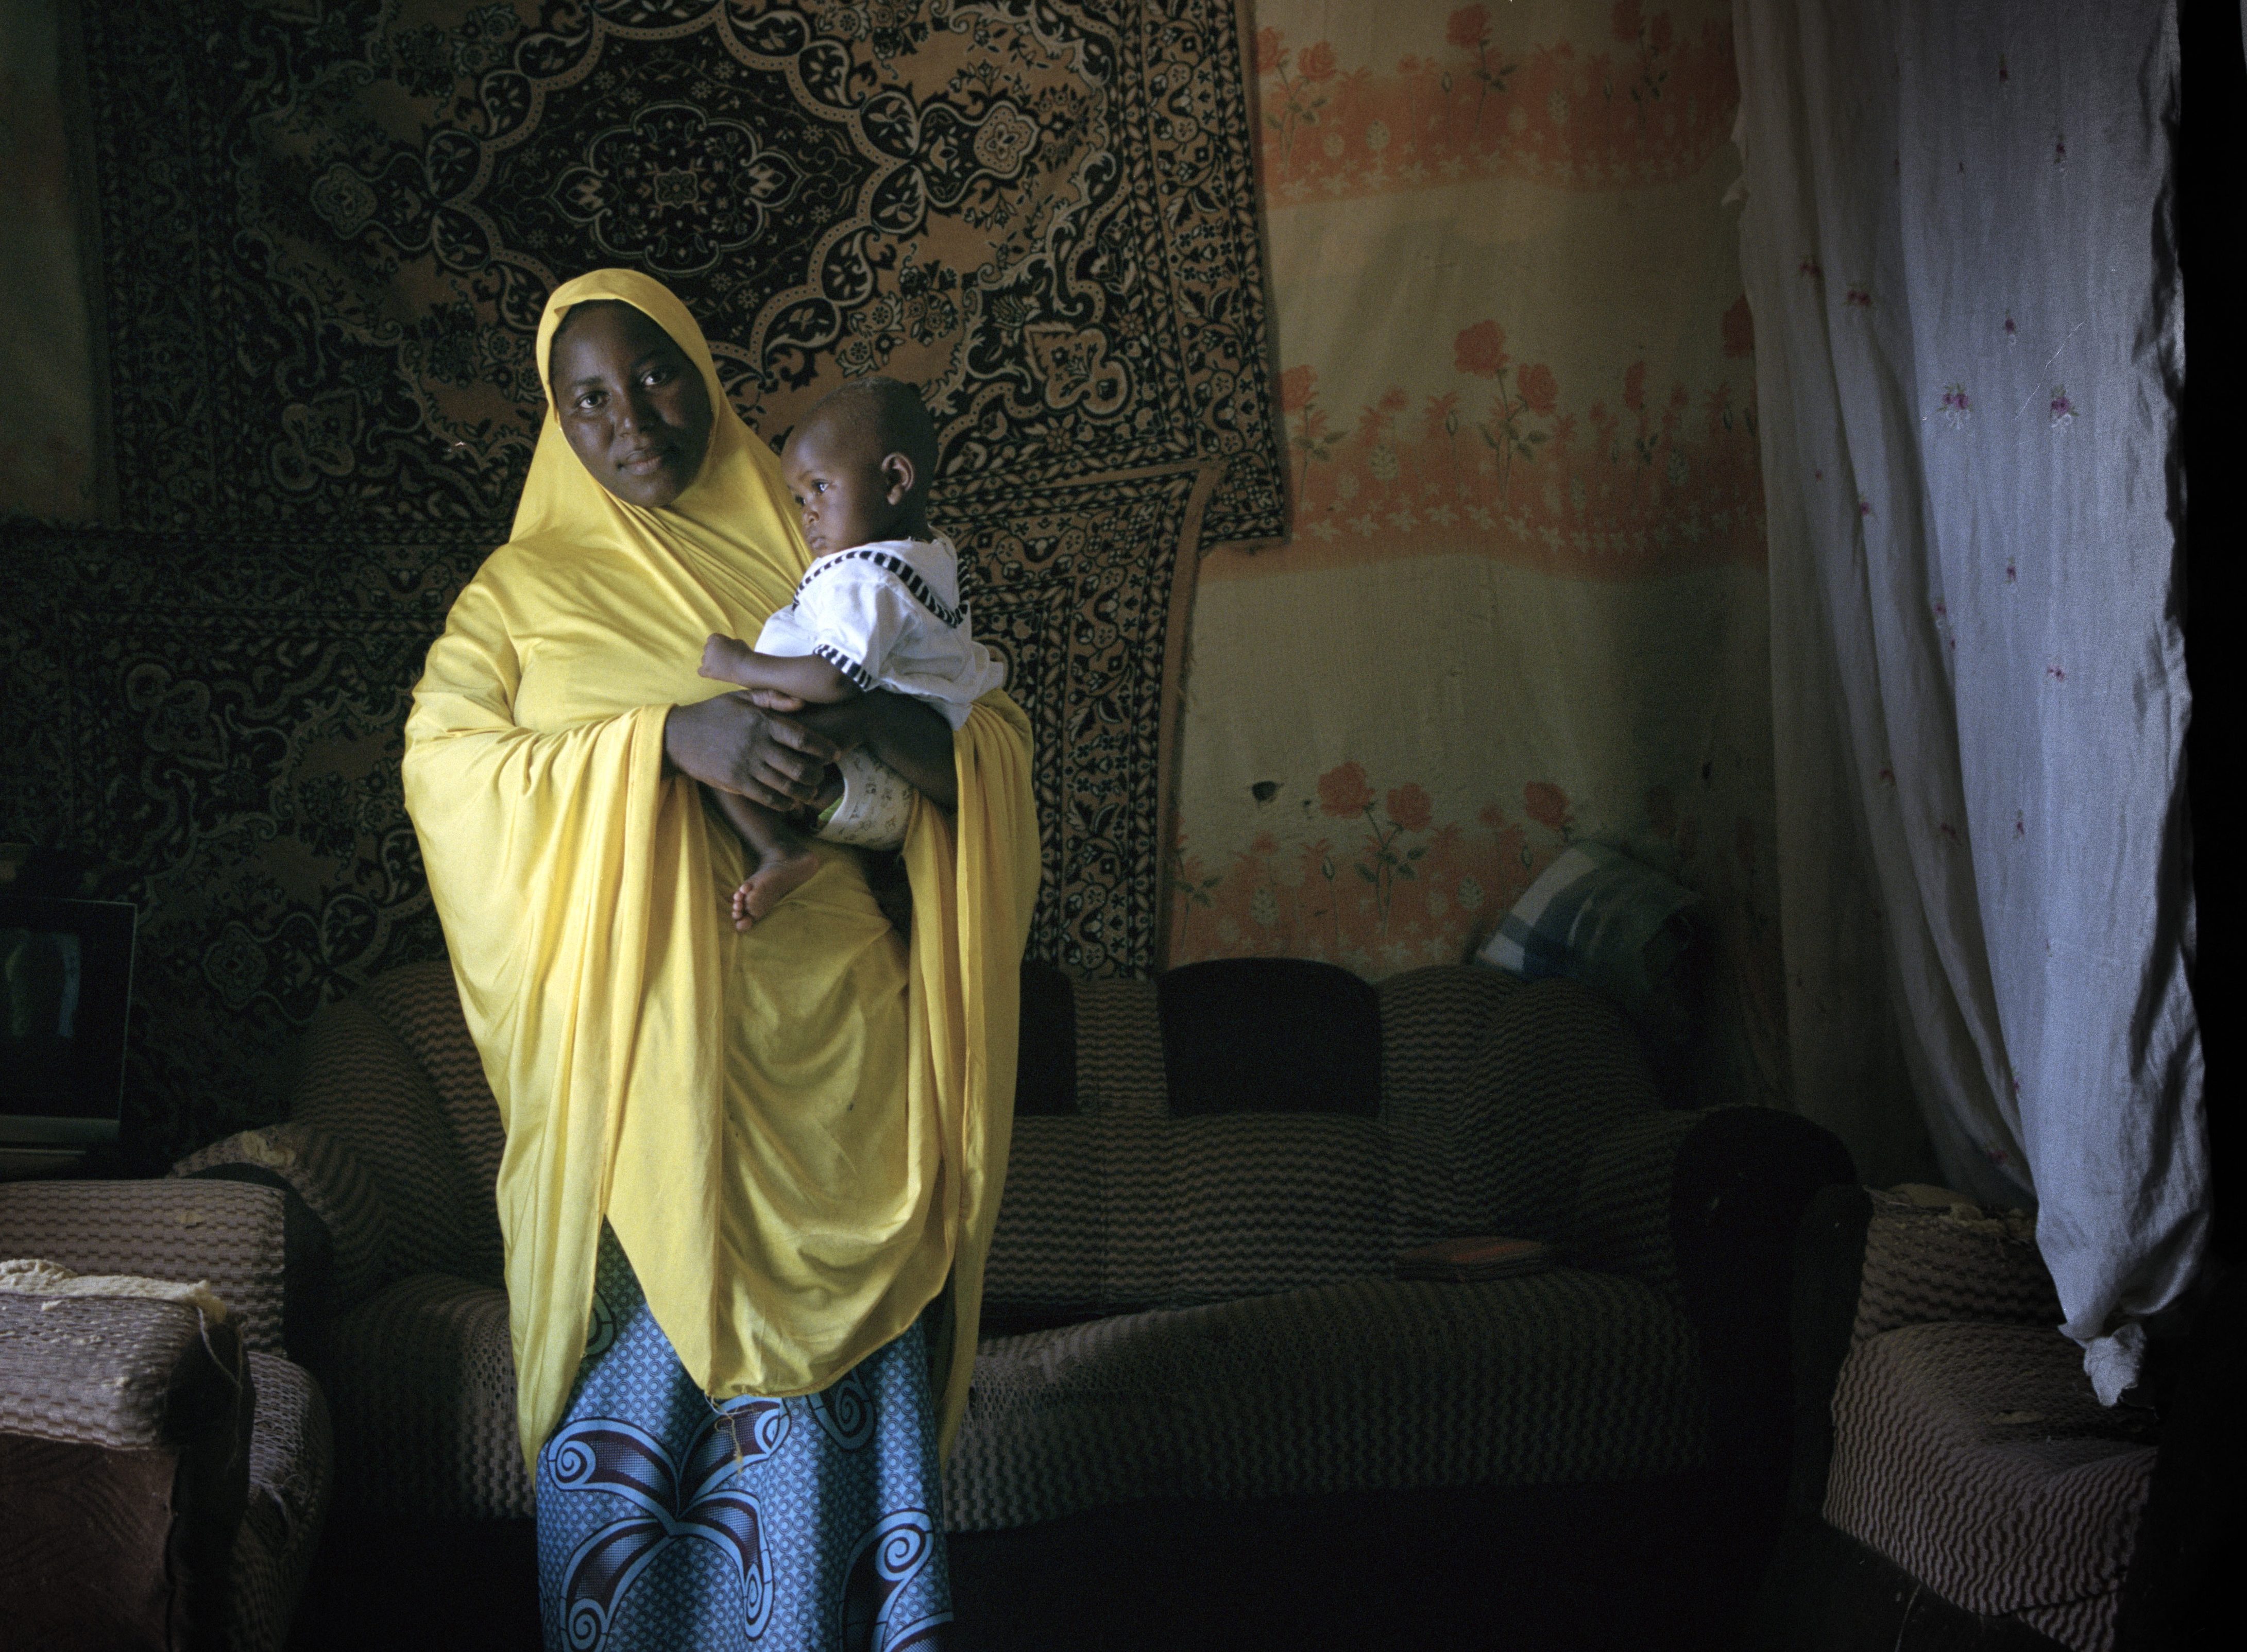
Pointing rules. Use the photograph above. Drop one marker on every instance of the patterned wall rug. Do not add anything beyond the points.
(326, 233)
(328, 229)
(223, 731)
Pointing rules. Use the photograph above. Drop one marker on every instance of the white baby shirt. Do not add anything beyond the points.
(888, 615)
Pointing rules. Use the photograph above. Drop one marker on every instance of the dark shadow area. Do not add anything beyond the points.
(1538, 1569)
(1573, 1569)
(1833, 1593)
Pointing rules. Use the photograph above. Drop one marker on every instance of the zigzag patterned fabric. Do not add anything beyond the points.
(1242, 1258)
(422, 1378)
(1968, 1447)
(1924, 1264)
(121, 1358)
(1977, 1457)
(1558, 1377)
(1496, 1094)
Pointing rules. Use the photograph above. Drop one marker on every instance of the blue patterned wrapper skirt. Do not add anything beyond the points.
(670, 1522)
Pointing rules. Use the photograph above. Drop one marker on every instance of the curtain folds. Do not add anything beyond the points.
(1959, 249)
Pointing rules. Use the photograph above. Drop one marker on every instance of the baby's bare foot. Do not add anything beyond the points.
(726, 658)
(771, 884)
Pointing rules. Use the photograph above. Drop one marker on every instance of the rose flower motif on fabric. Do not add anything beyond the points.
(676, 189)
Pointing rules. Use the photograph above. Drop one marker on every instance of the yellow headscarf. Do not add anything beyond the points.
(797, 1134)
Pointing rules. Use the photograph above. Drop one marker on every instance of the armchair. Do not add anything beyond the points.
(163, 1476)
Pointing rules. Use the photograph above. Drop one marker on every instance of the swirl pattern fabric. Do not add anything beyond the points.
(667, 1521)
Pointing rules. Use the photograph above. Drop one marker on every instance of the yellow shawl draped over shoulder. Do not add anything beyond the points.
(797, 1134)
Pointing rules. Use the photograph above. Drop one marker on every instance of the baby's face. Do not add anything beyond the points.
(848, 492)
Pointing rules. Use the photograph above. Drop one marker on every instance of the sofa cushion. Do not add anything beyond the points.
(1560, 1377)
(291, 1468)
(1269, 1035)
(1977, 1457)
(422, 1384)
(362, 1084)
(1115, 1213)
(1129, 1207)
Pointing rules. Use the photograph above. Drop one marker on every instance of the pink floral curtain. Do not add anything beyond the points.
(1524, 601)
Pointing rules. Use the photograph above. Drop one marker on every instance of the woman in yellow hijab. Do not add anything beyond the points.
(739, 1167)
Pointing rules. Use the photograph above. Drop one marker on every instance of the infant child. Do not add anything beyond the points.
(879, 607)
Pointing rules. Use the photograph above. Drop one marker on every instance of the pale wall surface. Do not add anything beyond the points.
(1525, 596)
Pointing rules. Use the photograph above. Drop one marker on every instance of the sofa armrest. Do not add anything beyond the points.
(233, 1236)
(124, 1423)
(338, 1223)
(1928, 1260)
(1707, 1205)
(127, 1374)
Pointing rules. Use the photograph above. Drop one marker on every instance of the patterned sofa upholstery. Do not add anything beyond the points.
(1190, 1289)
(123, 1424)
(1952, 1457)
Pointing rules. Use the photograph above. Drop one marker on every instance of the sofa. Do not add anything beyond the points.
(1191, 1323)
(1956, 1482)
(164, 1468)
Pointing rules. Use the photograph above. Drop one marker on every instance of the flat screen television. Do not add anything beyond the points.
(65, 983)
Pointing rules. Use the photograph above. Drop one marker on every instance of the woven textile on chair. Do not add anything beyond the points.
(291, 1470)
(192, 1476)
(1977, 1457)
(230, 1235)
(423, 1377)
(1927, 1264)
(1245, 1338)
(369, 1071)
(394, 1144)
(1195, 1304)
(1947, 1426)
(123, 1425)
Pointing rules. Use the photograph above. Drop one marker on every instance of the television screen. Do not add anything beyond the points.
(65, 983)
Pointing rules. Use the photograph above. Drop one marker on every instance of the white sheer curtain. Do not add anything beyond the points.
(1959, 251)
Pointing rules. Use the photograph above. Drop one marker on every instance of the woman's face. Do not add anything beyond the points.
(632, 404)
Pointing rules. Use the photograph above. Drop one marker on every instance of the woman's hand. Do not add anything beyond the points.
(909, 735)
(736, 746)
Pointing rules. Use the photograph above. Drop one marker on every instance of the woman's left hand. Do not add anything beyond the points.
(908, 735)
(729, 743)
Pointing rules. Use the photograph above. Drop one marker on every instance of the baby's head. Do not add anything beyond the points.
(860, 464)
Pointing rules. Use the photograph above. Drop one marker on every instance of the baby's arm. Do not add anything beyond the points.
(807, 677)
